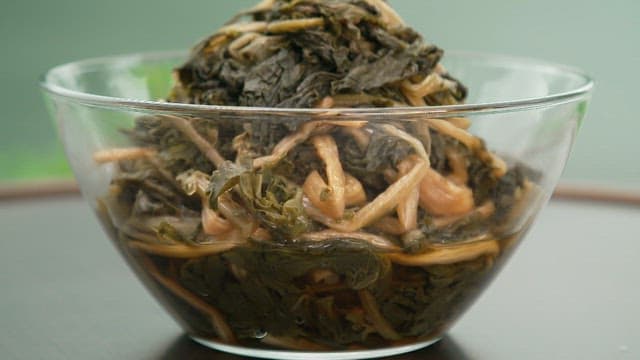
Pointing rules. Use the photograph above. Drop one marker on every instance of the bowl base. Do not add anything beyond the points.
(308, 355)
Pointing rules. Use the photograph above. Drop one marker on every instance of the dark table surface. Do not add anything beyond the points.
(570, 292)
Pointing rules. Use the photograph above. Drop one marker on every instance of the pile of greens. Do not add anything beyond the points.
(320, 234)
(294, 53)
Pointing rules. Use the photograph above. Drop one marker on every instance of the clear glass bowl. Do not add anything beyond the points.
(338, 294)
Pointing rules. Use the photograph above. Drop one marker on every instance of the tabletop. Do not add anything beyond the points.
(569, 292)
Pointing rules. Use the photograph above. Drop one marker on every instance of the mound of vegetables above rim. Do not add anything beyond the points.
(320, 234)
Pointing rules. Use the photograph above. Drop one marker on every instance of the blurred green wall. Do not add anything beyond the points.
(601, 37)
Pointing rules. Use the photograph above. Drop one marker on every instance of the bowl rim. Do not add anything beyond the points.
(104, 101)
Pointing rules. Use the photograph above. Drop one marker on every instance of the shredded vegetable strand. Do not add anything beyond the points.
(413, 99)
(407, 209)
(423, 133)
(114, 155)
(458, 165)
(239, 43)
(304, 132)
(329, 199)
(294, 25)
(237, 215)
(181, 251)
(213, 45)
(264, 5)
(202, 144)
(473, 143)
(415, 143)
(383, 203)
(462, 123)
(443, 255)
(483, 211)
(447, 128)
(275, 27)
(353, 192)
(213, 223)
(217, 319)
(389, 225)
(326, 103)
(381, 324)
(196, 183)
(123, 154)
(386, 201)
(285, 145)
(374, 240)
(239, 28)
(415, 93)
(432, 83)
(440, 196)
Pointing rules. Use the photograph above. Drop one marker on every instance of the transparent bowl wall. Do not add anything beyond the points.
(526, 111)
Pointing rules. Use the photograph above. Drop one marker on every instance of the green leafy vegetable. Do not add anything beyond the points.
(276, 202)
(269, 291)
(352, 52)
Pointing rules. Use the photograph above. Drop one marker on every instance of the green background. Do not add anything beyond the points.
(601, 37)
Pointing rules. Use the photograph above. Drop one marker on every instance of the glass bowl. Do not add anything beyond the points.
(252, 256)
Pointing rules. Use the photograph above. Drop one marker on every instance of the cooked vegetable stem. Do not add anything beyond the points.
(236, 214)
(187, 129)
(326, 103)
(239, 43)
(213, 223)
(447, 128)
(115, 155)
(458, 164)
(274, 27)
(443, 255)
(264, 5)
(217, 319)
(285, 145)
(390, 225)
(294, 25)
(461, 122)
(184, 251)
(379, 322)
(329, 198)
(374, 240)
(415, 143)
(407, 209)
(483, 211)
(353, 191)
(440, 196)
(383, 203)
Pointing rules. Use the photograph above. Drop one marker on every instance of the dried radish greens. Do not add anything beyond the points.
(319, 234)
